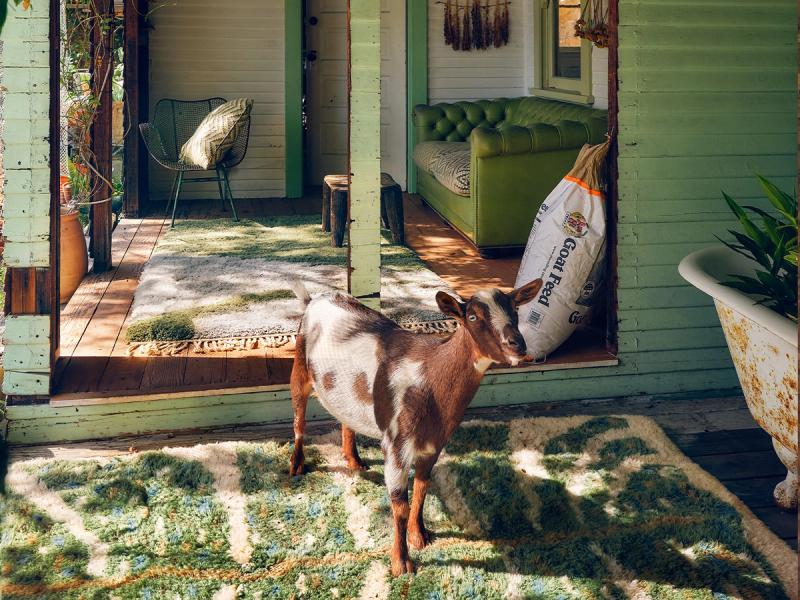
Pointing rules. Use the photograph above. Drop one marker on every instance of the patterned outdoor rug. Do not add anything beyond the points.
(552, 508)
(214, 285)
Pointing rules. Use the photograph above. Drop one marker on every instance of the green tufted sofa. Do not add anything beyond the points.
(487, 166)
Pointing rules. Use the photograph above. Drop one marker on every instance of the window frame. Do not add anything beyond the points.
(547, 85)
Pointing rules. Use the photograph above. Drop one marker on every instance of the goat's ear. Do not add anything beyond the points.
(526, 293)
(450, 306)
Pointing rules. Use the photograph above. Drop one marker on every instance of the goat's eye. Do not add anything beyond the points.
(472, 318)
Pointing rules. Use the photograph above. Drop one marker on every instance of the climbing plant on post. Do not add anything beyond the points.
(364, 79)
(102, 70)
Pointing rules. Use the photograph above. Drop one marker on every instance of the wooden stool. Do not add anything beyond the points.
(334, 207)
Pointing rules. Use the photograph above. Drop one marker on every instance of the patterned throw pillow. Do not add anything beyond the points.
(427, 153)
(216, 133)
(451, 169)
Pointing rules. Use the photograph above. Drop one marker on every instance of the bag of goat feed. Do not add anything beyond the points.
(566, 249)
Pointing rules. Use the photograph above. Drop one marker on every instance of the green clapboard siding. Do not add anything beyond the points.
(707, 97)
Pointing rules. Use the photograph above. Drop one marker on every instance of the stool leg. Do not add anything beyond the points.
(384, 216)
(338, 217)
(326, 207)
(394, 213)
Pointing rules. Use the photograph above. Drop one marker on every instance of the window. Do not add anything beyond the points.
(564, 65)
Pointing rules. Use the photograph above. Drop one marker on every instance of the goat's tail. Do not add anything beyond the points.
(299, 289)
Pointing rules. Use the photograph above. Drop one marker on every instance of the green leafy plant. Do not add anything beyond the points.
(773, 245)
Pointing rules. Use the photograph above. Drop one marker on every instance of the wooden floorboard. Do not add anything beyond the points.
(95, 361)
(723, 442)
(447, 253)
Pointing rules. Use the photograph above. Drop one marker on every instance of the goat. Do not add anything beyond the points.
(408, 390)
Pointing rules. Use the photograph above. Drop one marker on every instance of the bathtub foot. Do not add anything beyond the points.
(786, 491)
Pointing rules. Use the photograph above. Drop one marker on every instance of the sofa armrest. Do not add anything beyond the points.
(541, 137)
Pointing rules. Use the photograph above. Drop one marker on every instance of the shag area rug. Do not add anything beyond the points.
(549, 508)
(213, 285)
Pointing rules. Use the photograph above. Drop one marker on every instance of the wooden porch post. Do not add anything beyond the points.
(364, 104)
(102, 67)
(612, 189)
(31, 200)
(136, 106)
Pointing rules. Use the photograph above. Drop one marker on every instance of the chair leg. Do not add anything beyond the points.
(230, 193)
(221, 192)
(171, 193)
(177, 195)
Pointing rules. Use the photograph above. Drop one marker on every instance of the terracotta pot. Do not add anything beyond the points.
(74, 257)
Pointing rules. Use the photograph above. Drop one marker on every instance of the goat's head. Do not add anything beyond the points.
(490, 318)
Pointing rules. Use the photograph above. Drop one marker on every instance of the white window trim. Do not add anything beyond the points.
(557, 88)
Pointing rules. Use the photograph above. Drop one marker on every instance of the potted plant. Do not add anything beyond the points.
(753, 282)
(74, 260)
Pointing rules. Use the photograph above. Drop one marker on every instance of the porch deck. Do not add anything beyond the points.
(94, 365)
(716, 433)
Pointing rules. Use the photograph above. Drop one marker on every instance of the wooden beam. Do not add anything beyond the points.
(53, 279)
(29, 291)
(102, 67)
(364, 139)
(612, 177)
(136, 106)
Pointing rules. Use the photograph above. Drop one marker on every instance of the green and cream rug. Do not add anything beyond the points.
(548, 508)
(214, 286)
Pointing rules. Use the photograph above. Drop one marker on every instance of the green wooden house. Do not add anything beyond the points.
(700, 96)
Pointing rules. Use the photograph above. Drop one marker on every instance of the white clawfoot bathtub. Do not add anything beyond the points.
(763, 346)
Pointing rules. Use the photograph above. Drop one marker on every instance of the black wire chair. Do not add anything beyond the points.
(173, 123)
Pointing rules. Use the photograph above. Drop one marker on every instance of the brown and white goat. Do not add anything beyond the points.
(406, 389)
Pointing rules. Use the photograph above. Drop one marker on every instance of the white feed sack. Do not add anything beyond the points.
(566, 249)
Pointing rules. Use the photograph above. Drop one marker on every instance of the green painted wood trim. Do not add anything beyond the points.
(293, 92)
(416, 75)
(37, 424)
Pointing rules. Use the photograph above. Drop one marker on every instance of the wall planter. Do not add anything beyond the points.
(74, 258)
(763, 346)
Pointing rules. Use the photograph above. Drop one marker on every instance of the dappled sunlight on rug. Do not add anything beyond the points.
(561, 508)
(214, 286)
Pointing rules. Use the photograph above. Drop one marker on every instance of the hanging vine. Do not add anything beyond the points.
(81, 91)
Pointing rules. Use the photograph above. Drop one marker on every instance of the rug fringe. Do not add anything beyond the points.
(272, 340)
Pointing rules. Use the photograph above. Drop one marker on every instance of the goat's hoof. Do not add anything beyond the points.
(418, 538)
(400, 567)
(354, 463)
(296, 466)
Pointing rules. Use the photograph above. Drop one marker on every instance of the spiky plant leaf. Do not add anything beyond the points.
(773, 246)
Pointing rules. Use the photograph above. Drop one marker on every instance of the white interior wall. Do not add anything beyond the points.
(201, 48)
(495, 72)
(490, 73)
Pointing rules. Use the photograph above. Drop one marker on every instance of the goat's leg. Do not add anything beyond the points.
(350, 451)
(300, 387)
(396, 475)
(418, 536)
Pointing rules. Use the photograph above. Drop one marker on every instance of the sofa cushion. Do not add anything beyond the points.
(451, 169)
(427, 153)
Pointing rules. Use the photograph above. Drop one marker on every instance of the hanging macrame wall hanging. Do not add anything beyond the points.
(593, 24)
(477, 24)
